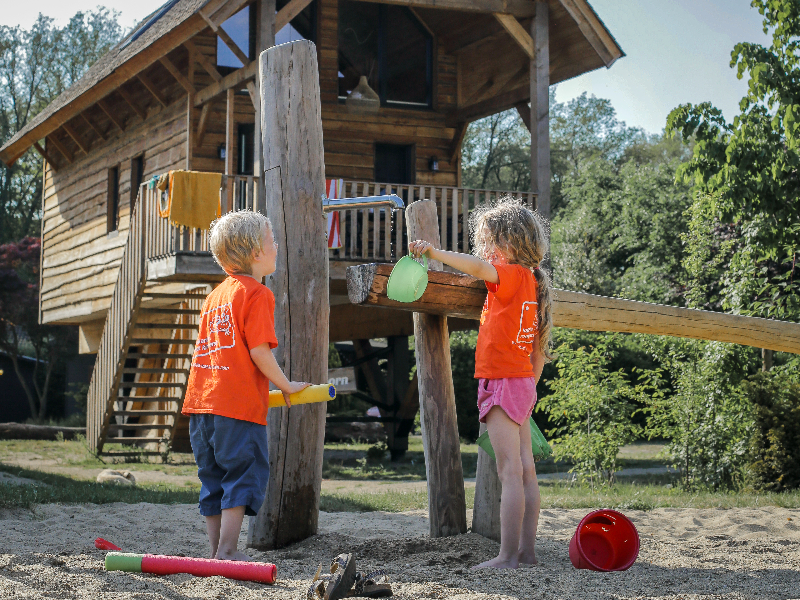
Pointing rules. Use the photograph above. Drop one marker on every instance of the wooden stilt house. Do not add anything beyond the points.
(181, 92)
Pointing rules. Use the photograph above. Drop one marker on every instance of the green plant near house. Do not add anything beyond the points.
(774, 450)
(591, 407)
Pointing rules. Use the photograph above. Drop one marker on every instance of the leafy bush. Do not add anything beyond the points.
(591, 406)
(775, 443)
(706, 417)
(462, 359)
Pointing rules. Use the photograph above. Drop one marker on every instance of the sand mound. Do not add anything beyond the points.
(686, 553)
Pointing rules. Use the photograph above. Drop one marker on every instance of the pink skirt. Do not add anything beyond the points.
(515, 395)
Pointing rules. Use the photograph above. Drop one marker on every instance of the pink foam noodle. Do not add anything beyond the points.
(207, 567)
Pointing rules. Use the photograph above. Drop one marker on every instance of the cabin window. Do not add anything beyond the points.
(241, 27)
(246, 146)
(389, 46)
(113, 199)
(137, 176)
(394, 163)
(302, 27)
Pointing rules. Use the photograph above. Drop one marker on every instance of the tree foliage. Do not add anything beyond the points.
(747, 171)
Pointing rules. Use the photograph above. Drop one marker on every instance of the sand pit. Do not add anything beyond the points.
(686, 553)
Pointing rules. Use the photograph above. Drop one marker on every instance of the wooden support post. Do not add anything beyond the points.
(486, 513)
(446, 503)
(265, 38)
(229, 125)
(540, 109)
(293, 170)
(189, 85)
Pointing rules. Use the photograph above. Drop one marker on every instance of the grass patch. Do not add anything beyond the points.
(52, 488)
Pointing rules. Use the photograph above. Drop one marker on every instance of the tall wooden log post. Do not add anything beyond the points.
(294, 178)
(540, 109)
(446, 503)
(265, 38)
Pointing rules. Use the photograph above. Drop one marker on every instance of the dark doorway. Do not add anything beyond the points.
(137, 175)
(394, 163)
(246, 145)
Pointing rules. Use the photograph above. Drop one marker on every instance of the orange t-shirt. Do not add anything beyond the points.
(236, 317)
(509, 324)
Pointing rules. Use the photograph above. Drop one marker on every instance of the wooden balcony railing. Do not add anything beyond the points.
(371, 235)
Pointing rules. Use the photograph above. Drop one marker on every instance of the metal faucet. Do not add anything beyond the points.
(390, 200)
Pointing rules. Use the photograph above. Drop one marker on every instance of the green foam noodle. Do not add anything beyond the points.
(124, 561)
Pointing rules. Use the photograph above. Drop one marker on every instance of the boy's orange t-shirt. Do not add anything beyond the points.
(238, 315)
(509, 324)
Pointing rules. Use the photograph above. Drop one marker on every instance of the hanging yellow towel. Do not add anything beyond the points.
(193, 198)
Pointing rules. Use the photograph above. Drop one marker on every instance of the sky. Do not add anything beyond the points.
(677, 51)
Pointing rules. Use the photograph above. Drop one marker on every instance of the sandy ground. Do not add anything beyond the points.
(685, 553)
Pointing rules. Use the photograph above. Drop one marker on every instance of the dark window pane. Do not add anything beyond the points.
(358, 45)
(238, 27)
(302, 27)
(406, 74)
(394, 163)
(246, 148)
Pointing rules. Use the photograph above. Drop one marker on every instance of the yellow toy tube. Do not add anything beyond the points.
(313, 393)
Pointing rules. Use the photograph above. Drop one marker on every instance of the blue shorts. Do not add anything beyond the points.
(232, 463)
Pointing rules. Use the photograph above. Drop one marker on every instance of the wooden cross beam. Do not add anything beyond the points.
(110, 114)
(45, 155)
(175, 72)
(132, 103)
(459, 295)
(76, 137)
(94, 127)
(153, 89)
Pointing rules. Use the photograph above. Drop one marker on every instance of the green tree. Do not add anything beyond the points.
(36, 65)
(497, 153)
(748, 169)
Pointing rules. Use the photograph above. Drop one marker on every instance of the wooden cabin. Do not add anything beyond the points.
(181, 92)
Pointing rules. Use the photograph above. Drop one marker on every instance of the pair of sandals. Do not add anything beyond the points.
(344, 582)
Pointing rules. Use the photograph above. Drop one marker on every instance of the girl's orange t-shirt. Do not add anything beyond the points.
(238, 315)
(509, 324)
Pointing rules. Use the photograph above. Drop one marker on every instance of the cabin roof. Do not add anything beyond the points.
(579, 42)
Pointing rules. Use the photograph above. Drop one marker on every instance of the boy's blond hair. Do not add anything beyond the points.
(235, 238)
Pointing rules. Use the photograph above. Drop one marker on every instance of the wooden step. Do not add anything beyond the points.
(147, 384)
(147, 399)
(145, 413)
(169, 311)
(145, 355)
(155, 371)
(166, 326)
(162, 296)
(140, 426)
(143, 341)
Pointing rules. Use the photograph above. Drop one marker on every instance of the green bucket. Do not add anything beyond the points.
(408, 280)
(541, 449)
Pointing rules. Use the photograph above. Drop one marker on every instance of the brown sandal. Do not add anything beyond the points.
(336, 585)
(372, 585)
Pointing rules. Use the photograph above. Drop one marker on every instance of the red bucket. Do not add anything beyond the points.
(606, 540)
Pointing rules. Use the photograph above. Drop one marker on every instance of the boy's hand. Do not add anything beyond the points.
(294, 387)
(421, 248)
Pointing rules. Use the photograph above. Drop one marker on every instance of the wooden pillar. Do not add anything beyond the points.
(295, 181)
(229, 133)
(540, 109)
(446, 503)
(265, 38)
(486, 513)
(190, 118)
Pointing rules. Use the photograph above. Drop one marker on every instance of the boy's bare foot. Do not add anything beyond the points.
(498, 563)
(527, 557)
(233, 556)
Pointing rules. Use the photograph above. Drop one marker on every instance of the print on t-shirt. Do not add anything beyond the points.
(528, 322)
(221, 333)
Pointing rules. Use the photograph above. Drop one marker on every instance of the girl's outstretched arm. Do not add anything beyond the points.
(471, 265)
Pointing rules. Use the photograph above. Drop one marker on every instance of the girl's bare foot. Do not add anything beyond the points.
(527, 557)
(498, 563)
(233, 556)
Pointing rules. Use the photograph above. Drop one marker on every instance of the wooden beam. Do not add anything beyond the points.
(202, 60)
(229, 133)
(151, 87)
(179, 77)
(232, 80)
(126, 95)
(201, 125)
(45, 155)
(458, 139)
(427, 27)
(540, 109)
(110, 114)
(593, 30)
(518, 8)
(251, 90)
(76, 137)
(289, 12)
(94, 127)
(227, 40)
(61, 148)
(524, 110)
(488, 107)
(265, 38)
(190, 91)
(516, 31)
(462, 295)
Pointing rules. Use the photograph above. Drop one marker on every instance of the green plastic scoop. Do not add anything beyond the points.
(541, 449)
(408, 280)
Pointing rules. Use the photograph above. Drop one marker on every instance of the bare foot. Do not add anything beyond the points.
(498, 563)
(233, 556)
(527, 557)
